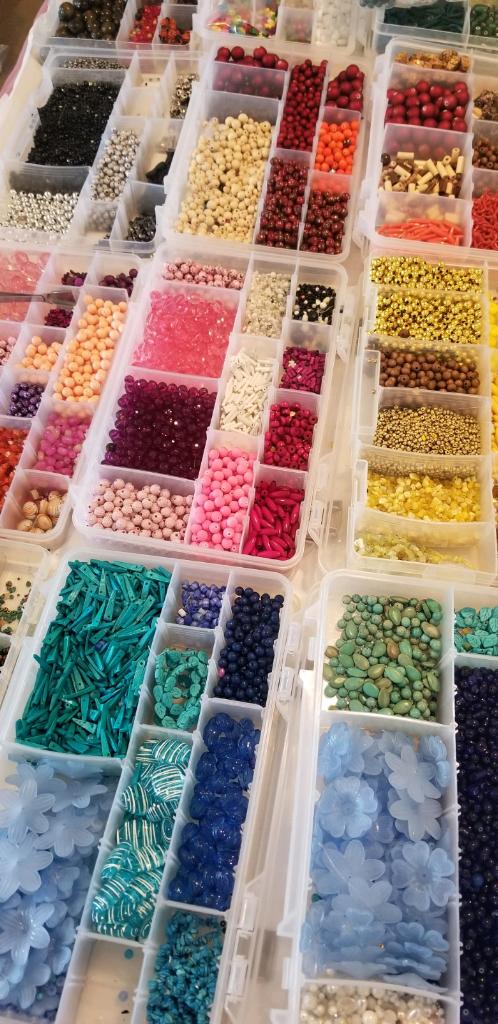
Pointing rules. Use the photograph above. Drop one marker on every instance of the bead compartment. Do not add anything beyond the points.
(298, 23)
(210, 103)
(97, 266)
(87, 940)
(295, 332)
(145, 109)
(471, 547)
(334, 587)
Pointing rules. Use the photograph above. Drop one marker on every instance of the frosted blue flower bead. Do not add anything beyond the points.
(23, 929)
(423, 874)
(347, 806)
(334, 871)
(23, 810)
(20, 866)
(410, 775)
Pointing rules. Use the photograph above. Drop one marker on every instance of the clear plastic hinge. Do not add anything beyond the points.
(316, 516)
(247, 918)
(312, 649)
(237, 978)
(293, 637)
(286, 686)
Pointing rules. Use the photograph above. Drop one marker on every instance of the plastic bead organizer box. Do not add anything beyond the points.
(248, 500)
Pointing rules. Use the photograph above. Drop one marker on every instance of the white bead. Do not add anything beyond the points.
(369, 1017)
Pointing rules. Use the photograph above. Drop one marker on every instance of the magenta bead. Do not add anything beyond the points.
(160, 427)
(186, 333)
(61, 443)
(303, 370)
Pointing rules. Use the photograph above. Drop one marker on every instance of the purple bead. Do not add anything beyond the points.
(25, 399)
(160, 427)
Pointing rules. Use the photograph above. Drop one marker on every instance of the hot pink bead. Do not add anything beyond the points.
(216, 525)
(186, 333)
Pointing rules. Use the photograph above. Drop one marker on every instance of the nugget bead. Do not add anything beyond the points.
(454, 499)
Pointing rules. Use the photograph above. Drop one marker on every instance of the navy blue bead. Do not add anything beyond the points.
(246, 661)
(476, 712)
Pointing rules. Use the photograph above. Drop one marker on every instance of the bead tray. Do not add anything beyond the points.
(89, 944)
(139, 106)
(298, 24)
(46, 28)
(333, 340)
(377, 206)
(27, 562)
(97, 266)
(474, 542)
(294, 835)
(208, 103)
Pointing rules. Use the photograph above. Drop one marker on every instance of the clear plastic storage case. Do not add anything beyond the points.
(379, 207)
(144, 104)
(26, 477)
(311, 24)
(269, 952)
(209, 102)
(88, 987)
(45, 31)
(332, 341)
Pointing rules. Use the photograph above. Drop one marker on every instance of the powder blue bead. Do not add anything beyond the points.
(379, 902)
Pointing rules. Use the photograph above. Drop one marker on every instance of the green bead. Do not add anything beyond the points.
(394, 674)
(379, 649)
(353, 684)
(346, 660)
(383, 699)
(402, 707)
(370, 690)
(355, 705)
(375, 671)
(351, 630)
(361, 662)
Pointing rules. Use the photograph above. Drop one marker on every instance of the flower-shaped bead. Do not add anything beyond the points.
(347, 807)
(414, 819)
(22, 929)
(335, 870)
(67, 831)
(411, 775)
(433, 750)
(35, 974)
(10, 974)
(23, 810)
(20, 867)
(334, 751)
(414, 948)
(373, 898)
(422, 873)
